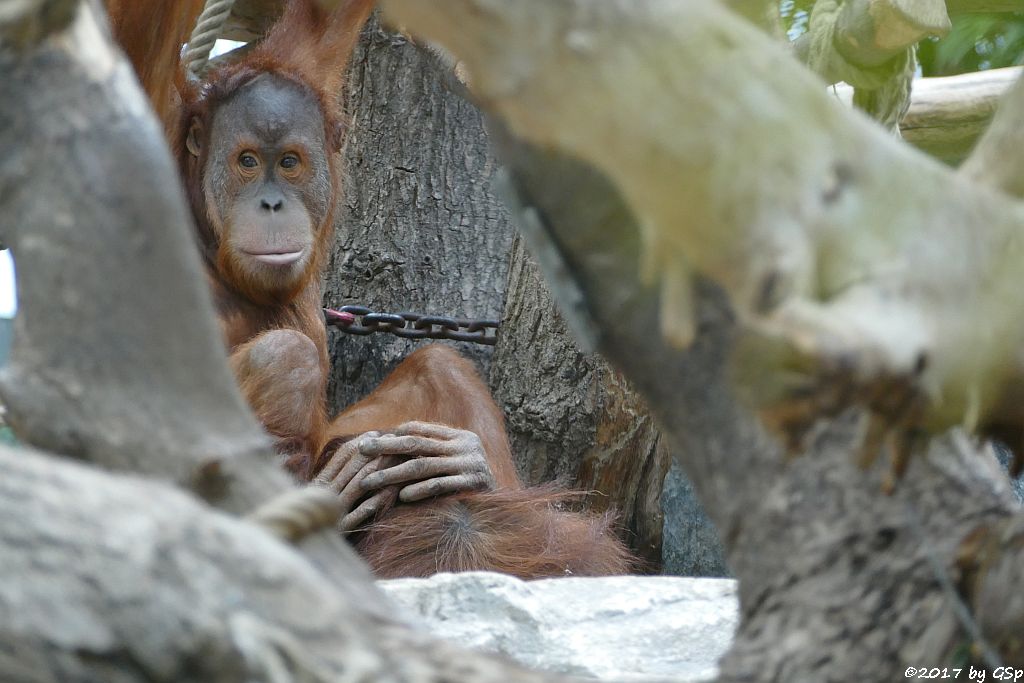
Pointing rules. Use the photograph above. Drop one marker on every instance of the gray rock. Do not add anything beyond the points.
(690, 545)
(634, 628)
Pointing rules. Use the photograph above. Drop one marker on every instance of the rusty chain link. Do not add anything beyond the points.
(362, 320)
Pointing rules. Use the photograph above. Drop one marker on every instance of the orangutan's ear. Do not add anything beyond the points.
(195, 134)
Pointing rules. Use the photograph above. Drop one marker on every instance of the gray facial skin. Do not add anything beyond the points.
(267, 179)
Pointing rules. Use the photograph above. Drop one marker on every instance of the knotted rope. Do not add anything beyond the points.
(883, 91)
(208, 28)
(299, 513)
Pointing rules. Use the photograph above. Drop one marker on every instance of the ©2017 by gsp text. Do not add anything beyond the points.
(1003, 673)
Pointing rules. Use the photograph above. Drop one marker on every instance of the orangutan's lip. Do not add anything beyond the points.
(281, 258)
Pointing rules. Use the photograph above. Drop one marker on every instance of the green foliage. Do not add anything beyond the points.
(975, 43)
(795, 14)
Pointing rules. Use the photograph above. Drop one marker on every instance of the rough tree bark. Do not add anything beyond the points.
(727, 149)
(421, 230)
(574, 419)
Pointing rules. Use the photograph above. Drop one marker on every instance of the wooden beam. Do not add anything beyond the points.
(948, 115)
(996, 159)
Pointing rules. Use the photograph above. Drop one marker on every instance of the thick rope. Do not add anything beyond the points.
(890, 103)
(883, 92)
(208, 28)
(299, 513)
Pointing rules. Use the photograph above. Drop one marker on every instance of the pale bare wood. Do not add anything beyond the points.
(747, 230)
(998, 160)
(947, 115)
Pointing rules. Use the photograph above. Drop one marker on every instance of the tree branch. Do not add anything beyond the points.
(823, 291)
(867, 34)
(763, 13)
(807, 538)
(998, 159)
(123, 580)
(110, 181)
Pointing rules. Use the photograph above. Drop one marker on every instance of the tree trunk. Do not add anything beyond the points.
(421, 229)
(573, 418)
(690, 544)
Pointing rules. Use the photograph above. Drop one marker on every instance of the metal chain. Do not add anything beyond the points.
(362, 320)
